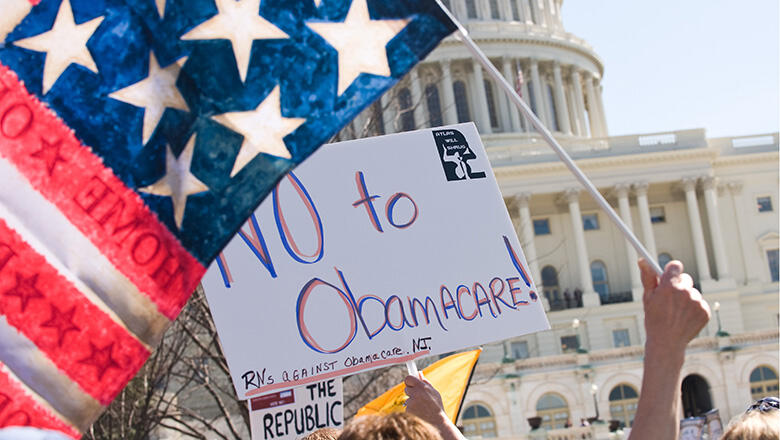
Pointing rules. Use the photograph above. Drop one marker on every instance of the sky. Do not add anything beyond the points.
(680, 64)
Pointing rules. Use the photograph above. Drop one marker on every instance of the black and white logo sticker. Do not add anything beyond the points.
(455, 155)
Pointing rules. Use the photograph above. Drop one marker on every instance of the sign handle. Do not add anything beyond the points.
(511, 93)
(411, 367)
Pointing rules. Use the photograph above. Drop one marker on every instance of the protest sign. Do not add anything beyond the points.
(296, 412)
(373, 252)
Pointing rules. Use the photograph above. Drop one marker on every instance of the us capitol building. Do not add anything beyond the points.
(710, 202)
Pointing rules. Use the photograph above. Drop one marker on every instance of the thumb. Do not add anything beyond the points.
(649, 277)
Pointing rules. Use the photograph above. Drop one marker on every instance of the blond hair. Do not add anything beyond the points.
(323, 434)
(754, 425)
(395, 426)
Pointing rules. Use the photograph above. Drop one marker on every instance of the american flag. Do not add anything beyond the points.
(136, 136)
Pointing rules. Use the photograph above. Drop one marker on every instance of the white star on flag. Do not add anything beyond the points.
(64, 44)
(241, 23)
(160, 7)
(360, 41)
(154, 93)
(178, 183)
(263, 128)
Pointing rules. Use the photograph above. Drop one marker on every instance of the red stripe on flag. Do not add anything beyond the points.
(82, 340)
(18, 408)
(112, 216)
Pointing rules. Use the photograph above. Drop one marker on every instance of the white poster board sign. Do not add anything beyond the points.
(294, 413)
(373, 252)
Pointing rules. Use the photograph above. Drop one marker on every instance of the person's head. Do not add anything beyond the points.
(393, 426)
(323, 434)
(760, 422)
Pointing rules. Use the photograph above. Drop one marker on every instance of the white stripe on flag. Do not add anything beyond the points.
(52, 235)
(39, 374)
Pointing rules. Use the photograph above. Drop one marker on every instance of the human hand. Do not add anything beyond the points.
(424, 401)
(675, 311)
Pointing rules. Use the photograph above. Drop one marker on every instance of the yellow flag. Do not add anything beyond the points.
(450, 376)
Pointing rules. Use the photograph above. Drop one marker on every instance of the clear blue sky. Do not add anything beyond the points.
(677, 64)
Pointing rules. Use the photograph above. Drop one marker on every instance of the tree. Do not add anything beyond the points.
(184, 387)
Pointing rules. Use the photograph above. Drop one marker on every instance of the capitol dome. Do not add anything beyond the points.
(557, 73)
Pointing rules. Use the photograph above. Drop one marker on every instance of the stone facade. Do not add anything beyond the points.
(711, 203)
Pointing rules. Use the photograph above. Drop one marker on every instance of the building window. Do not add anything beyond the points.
(553, 410)
(658, 214)
(515, 10)
(434, 105)
(377, 123)
(491, 102)
(570, 343)
(774, 268)
(406, 110)
(542, 226)
(550, 284)
(623, 401)
(461, 101)
(590, 222)
(764, 204)
(494, 12)
(478, 421)
(664, 259)
(598, 273)
(520, 350)
(471, 8)
(763, 382)
(621, 338)
(532, 99)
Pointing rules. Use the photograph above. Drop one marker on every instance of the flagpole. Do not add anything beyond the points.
(463, 36)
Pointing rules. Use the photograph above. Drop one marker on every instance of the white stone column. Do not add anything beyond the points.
(502, 101)
(417, 100)
(526, 96)
(643, 206)
(571, 105)
(526, 10)
(576, 81)
(538, 13)
(560, 100)
(544, 6)
(602, 114)
(459, 9)
(482, 115)
(527, 235)
(589, 296)
(709, 185)
(506, 9)
(751, 262)
(702, 263)
(450, 113)
(549, 13)
(593, 112)
(388, 113)
(539, 99)
(514, 114)
(483, 10)
(622, 190)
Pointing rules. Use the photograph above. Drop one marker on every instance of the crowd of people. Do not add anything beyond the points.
(675, 312)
